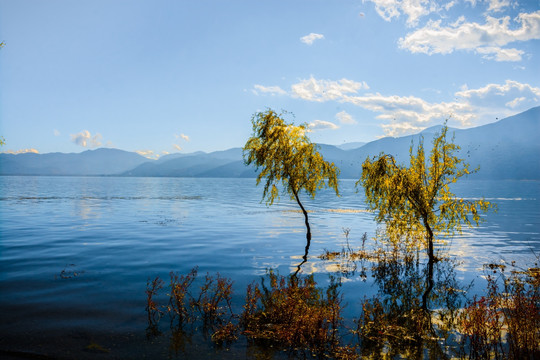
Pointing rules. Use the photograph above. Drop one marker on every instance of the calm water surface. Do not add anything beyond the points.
(76, 252)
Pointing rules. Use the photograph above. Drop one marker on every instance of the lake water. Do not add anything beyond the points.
(76, 252)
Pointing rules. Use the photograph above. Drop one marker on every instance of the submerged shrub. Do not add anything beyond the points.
(152, 288)
(506, 322)
(214, 300)
(293, 313)
(178, 302)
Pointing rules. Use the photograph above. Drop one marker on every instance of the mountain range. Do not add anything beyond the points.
(506, 149)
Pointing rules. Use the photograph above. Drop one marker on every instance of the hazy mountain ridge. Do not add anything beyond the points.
(91, 162)
(507, 149)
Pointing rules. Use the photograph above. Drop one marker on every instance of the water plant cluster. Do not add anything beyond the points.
(304, 319)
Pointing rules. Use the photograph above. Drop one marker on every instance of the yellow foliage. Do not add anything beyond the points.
(285, 155)
(415, 203)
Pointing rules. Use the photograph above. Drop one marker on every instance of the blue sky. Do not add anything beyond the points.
(162, 76)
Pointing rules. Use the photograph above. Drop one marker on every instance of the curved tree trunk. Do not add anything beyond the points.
(308, 229)
(308, 233)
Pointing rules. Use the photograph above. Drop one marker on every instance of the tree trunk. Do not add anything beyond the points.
(308, 233)
(431, 261)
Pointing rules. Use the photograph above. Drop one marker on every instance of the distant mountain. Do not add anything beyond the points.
(507, 149)
(102, 161)
(351, 145)
(198, 164)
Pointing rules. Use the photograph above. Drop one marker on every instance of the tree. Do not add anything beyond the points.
(416, 203)
(286, 155)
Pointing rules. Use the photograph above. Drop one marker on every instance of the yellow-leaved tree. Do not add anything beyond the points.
(285, 155)
(416, 203)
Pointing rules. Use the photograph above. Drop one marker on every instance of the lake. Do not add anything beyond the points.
(76, 252)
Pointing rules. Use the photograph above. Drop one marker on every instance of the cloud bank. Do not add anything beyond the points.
(402, 115)
(149, 154)
(486, 39)
(22, 151)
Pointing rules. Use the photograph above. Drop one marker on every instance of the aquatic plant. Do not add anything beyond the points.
(178, 302)
(214, 300)
(293, 312)
(152, 309)
(296, 315)
(506, 322)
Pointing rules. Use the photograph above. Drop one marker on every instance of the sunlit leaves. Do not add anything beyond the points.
(416, 202)
(284, 154)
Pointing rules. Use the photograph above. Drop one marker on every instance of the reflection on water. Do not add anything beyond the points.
(136, 228)
(395, 322)
(294, 315)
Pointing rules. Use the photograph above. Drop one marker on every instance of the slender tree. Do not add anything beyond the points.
(415, 203)
(285, 155)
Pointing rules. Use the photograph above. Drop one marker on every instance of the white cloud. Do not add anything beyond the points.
(449, 5)
(22, 151)
(413, 9)
(498, 5)
(345, 118)
(323, 90)
(85, 139)
(56, 132)
(493, 95)
(181, 137)
(490, 36)
(322, 125)
(271, 90)
(310, 39)
(150, 154)
(498, 54)
(396, 129)
(515, 102)
(411, 109)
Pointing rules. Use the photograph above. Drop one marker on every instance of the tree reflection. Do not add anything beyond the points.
(397, 321)
(304, 258)
(420, 311)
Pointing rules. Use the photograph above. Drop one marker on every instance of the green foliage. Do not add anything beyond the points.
(285, 154)
(415, 203)
(2, 141)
